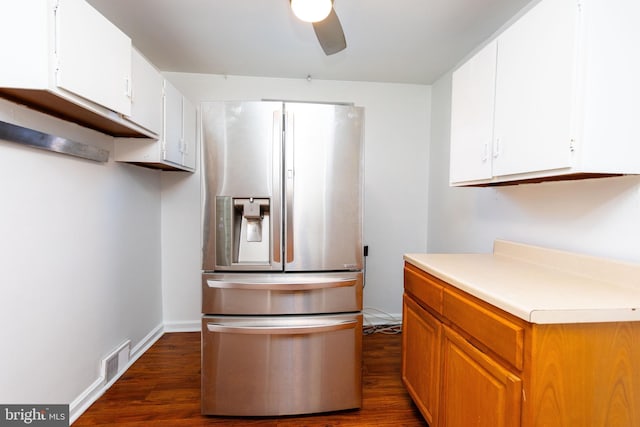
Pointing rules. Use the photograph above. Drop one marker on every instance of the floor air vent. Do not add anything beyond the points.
(115, 361)
(112, 368)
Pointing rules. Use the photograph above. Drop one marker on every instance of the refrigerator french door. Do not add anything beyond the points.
(282, 258)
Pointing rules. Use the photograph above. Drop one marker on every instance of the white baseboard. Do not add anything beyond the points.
(100, 386)
(374, 317)
(183, 326)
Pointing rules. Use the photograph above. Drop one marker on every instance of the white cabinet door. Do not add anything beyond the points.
(189, 126)
(146, 96)
(176, 149)
(172, 134)
(535, 89)
(94, 56)
(472, 107)
(24, 35)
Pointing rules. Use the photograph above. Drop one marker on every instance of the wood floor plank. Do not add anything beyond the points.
(163, 388)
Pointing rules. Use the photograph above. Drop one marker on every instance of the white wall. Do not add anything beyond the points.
(599, 216)
(79, 263)
(396, 157)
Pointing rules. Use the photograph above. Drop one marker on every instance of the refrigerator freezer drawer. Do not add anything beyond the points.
(269, 294)
(270, 366)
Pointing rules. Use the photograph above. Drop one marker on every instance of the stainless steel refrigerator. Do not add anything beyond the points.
(282, 258)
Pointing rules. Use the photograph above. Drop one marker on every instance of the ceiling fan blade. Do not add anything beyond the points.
(330, 34)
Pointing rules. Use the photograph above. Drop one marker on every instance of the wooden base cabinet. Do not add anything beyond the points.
(584, 374)
(421, 343)
(476, 390)
(467, 363)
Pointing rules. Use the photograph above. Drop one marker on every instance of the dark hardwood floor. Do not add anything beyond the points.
(163, 388)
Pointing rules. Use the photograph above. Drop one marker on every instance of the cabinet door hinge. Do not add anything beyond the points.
(572, 146)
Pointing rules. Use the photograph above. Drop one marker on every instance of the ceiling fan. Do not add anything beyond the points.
(325, 23)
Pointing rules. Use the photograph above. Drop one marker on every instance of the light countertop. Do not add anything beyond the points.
(542, 285)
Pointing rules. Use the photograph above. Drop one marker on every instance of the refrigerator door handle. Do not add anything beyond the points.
(277, 177)
(300, 285)
(280, 329)
(289, 183)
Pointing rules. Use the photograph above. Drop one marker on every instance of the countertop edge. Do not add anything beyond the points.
(512, 256)
(465, 287)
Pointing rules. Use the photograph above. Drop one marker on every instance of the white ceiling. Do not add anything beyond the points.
(405, 41)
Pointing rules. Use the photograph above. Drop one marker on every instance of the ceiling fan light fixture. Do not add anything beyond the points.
(311, 10)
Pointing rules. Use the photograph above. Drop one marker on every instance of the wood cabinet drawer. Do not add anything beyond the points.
(425, 289)
(502, 336)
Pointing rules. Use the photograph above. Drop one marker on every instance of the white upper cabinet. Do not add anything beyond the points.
(146, 93)
(176, 148)
(93, 56)
(64, 58)
(189, 134)
(172, 130)
(554, 96)
(534, 90)
(472, 105)
(179, 134)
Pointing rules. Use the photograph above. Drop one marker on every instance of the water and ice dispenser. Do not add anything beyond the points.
(243, 231)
